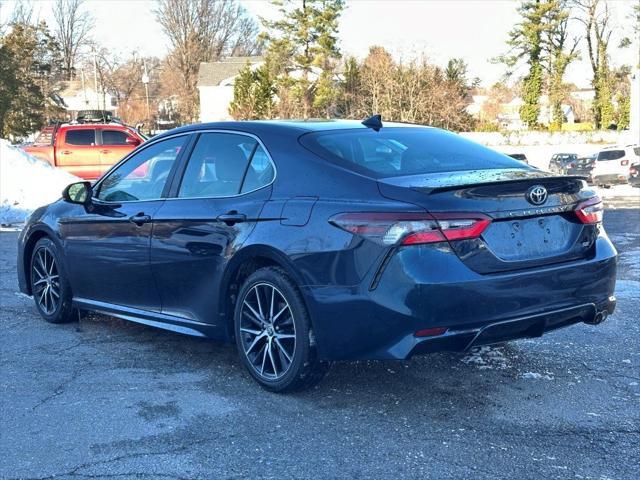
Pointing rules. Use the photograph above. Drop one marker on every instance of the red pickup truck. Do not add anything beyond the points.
(86, 150)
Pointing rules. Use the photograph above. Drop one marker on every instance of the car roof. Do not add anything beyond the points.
(293, 127)
(96, 124)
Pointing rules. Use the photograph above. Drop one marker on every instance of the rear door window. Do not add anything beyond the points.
(114, 137)
(610, 155)
(217, 166)
(397, 151)
(84, 137)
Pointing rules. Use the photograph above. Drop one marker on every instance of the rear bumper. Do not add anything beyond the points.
(527, 327)
(428, 286)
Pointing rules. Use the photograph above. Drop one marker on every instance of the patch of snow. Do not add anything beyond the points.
(620, 191)
(536, 376)
(486, 358)
(27, 183)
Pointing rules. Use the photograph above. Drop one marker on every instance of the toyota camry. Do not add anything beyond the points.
(315, 241)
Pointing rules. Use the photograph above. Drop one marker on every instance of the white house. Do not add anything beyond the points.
(215, 84)
(73, 96)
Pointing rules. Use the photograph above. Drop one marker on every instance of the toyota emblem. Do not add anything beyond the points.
(537, 195)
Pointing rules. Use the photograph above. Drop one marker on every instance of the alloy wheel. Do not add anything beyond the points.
(267, 331)
(46, 281)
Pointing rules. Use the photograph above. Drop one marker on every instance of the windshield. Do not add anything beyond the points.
(398, 151)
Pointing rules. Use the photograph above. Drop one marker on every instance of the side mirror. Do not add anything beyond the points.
(79, 193)
(133, 141)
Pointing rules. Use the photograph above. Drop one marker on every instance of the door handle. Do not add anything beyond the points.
(232, 217)
(105, 151)
(140, 219)
(66, 152)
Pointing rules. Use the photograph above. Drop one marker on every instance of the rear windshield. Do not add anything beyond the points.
(398, 151)
(610, 155)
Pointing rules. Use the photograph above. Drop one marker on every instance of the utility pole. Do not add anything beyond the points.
(95, 80)
(145, 81)
(84, 89)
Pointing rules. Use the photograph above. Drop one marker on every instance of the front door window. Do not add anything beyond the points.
(144, 175)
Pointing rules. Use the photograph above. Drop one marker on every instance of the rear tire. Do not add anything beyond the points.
(49, 284)
(274, 335)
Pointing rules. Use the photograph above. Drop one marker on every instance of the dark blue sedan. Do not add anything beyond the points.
(308, 242)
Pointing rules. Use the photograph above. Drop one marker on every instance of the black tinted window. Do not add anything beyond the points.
(80, 137)
(610, 155)
(400, 151)
(114, 137)
(217, 165)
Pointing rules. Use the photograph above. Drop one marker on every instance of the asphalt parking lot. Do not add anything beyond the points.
(109, 399)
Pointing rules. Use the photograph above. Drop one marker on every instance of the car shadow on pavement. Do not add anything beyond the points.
(441, 381)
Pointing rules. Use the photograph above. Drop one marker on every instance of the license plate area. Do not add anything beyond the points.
(531, 238)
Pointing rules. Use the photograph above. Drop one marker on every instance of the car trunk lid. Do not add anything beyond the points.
(522, 234)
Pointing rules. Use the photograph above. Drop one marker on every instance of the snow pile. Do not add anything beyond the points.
(620, 191)
(27, 183)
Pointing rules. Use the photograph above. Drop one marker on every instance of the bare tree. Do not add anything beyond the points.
(72, 29)
(22, 14)
(596, 19)
(202, 31)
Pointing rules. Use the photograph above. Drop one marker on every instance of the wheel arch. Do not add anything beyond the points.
(243, 264)
(33, 237)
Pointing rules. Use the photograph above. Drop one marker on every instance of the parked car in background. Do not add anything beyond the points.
(560, 162)
(582, 166)
(519, 156)
(634, 174)
(613, 164)
(86, 149)
(308, 242)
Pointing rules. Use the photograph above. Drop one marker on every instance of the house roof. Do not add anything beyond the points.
(212, 73)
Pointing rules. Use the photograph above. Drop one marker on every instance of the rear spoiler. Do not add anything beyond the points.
(503, 182)
(441, 182)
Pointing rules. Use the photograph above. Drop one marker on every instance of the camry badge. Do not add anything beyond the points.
(537, 195)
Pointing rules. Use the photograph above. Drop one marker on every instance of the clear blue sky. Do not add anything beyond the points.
(475, 30)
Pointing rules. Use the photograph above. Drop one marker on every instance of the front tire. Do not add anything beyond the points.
(49, 284)
(274, 335)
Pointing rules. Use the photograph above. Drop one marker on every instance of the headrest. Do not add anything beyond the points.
(230, 163)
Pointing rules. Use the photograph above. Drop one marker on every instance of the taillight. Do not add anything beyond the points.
(624, 163)
(412, 228)
(460, 226)
(590, 211)
(633, 171)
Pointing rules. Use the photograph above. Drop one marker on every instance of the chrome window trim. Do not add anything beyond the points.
(233, 132)
(149, 143)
